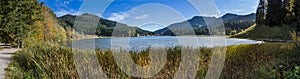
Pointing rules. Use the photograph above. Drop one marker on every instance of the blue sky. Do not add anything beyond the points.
(159, 13)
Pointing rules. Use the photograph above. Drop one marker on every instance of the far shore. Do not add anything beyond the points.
(96, 36)
(227, 36)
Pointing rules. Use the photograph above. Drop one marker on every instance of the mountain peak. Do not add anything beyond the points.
(67, 15)
(89, 15)
(230, 14)
(199, 23)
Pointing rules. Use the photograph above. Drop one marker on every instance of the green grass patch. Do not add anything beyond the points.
(271, 60)
(263, 32)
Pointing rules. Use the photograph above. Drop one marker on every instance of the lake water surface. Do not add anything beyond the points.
(140, 43)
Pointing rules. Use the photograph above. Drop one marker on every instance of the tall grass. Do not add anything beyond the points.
(257, 61)
(42, 61)
(242, 61)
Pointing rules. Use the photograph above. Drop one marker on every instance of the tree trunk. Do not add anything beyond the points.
(20, 44)
(297, 41)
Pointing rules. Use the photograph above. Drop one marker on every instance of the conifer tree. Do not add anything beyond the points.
(260, 13)
(275, 12)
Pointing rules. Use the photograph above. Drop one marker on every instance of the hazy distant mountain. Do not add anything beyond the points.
(229, 17)
(86, 25)
(233, 23)
(92, 24)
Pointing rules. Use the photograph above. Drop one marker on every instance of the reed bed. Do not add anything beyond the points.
(271, 60)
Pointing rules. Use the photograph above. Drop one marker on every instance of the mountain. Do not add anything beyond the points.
(229, 17)
(196, 22)
(233, 24)
(94, 25)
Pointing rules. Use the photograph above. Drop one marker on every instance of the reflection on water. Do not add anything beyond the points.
(140, 43)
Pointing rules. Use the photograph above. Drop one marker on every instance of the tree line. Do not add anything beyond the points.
(29, 19)
(17, 19)
(278, 12)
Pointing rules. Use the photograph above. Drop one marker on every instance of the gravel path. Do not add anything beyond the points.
(5, 55)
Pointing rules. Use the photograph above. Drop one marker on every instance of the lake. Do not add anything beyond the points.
(140, 43)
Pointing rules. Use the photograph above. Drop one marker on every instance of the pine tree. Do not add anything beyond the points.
(275, 12)
(297, 13)
(295, 7)
(260, 13)
(286, 6)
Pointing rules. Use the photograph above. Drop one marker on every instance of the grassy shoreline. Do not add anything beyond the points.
(267, 33)
(242, 61)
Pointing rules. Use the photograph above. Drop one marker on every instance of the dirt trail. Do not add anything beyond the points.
(5, 56)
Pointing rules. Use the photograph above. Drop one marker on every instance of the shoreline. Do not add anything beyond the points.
(86, 37)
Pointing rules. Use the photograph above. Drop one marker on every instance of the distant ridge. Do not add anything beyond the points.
(86, 25)
(234, 17)
(233, 24)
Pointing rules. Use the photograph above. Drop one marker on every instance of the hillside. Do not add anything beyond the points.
(53, 29)
(233, 24)
(93, 25)
(264, 32)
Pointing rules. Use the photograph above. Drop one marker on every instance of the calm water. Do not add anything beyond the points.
(140, 43)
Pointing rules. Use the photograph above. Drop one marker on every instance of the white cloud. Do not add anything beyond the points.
(63, 8)
(118, 16)
(66, 2)
(65, 12)
(238, 11)
(210, 15)
(145, 16)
